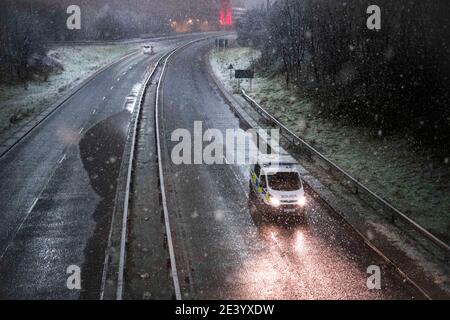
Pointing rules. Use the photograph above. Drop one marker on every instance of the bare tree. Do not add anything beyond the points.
(393, 79)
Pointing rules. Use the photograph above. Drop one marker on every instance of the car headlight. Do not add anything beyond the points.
(274, 202)
(302, 201)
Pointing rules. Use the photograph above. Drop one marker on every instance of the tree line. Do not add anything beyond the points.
(395, 79)
(27, 25)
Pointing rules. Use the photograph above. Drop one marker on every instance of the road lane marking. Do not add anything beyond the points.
(28, 213)
(33, 205)
(62, 159)
(173, 263)
(41, 120)
(20, 227)
(241, 184)
(123, 239)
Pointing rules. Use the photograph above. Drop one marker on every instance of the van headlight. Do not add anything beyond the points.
(302, 201)
(274, 202)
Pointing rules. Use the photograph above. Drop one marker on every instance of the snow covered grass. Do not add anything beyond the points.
(415, 182)
(18, 104)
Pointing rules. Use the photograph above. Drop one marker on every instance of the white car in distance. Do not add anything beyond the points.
(148, 49)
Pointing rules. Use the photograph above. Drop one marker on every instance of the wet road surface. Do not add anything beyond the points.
(57, 188)
(221, 252)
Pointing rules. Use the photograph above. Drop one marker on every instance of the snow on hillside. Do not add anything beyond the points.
(18, 104)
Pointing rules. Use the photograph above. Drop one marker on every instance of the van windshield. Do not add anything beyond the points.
(284, 181)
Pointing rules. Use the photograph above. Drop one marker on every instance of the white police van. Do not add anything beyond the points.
(276, 188)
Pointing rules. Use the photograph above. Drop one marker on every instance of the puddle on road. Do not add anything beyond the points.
(101, 151)
(101, 148)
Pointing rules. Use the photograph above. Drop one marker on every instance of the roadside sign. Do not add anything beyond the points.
(244, 74)
(221, 43)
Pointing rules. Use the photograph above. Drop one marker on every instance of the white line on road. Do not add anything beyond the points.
(28, 213)
(33, 205)
(236, 176)
(62, 159)
(123, 240)
(20, 226)
(173, 263)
